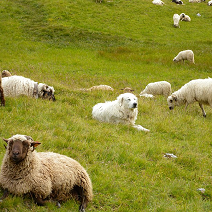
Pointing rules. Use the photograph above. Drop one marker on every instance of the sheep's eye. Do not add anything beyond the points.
(171, 100)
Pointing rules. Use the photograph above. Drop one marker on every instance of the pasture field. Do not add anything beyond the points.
(122, 43)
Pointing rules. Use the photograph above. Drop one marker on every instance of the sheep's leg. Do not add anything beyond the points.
(203, 112)
(82, 198)
(39, 201)
(5, 194)
(2, 97)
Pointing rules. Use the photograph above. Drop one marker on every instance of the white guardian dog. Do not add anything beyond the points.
(123, 110)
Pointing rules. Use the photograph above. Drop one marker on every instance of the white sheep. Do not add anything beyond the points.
(199, 90)
(184, 17)
(185, 55)
(177, 1)
(196, 1)
(210, 3)
(157, 88)
(42, 174)
(158, 2)
(18, 85)
(176, 19)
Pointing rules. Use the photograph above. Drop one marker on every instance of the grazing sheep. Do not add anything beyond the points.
(122, 110)
(177, 1)
(6, 73)
(158, 2)
(1, 92)
(18, 85)
(127, 90)
(185, 55)
(184, 17)
(199, 90)
(196, 1)
(44, 175)
(157, 88)
(210, 3)
(176, 19)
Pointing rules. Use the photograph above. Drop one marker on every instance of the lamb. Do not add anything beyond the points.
(210, 3)
(127, 90)
(6, 73)
(157, 88)
(184, 17)
(185, 55)
(43, 175)
(176, 19)
(18, 85)
(158, 2)
(1, 92)
(199, 90)
(99, 87)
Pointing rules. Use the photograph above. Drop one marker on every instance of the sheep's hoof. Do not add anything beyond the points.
(204, 115)
(58, 204)
(81, 208)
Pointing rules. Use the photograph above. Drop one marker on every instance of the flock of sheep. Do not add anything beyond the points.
(40, 172)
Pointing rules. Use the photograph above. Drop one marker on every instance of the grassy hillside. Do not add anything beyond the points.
(77, 44)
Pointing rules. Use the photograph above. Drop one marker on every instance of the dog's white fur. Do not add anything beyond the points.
(123, 110)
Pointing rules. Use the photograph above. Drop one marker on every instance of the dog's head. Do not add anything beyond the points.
(128, 100)
(46, 92)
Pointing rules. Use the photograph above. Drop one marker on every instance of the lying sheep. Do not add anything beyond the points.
(127, 90)
(18, 85)
(176, 19)
(44, 175)
(157, 88)
(1, 92)
(210, 3)
(6, 73)
(185, 55)
(158, 2)
(184, 17)
(199, 90)
(99, 87)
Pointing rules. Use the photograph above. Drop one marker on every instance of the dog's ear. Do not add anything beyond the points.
(120, 100)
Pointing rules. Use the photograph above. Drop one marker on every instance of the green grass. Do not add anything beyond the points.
(78, 44)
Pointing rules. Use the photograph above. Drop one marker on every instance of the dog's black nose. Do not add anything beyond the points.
(134, 105)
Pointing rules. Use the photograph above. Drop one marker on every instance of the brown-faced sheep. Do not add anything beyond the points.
(42, 174)
(6, 73)
(127, 90)
(1, 93)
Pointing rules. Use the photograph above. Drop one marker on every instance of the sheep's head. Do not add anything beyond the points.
(172, 101)
(46, 92)
(18, 147)
(6, 73)
(127, 90)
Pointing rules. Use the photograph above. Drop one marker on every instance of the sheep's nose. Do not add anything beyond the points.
(15, 153)
(134, 105)
(170, 108)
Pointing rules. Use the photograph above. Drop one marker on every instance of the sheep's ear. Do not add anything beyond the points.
(174, 98)
(6, 140)
(35, 144)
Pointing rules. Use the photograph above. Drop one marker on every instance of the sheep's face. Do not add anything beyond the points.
(18, 150)
(172, 101)
(18, 147)
(175, 59)
(128, 100)
(46, 92)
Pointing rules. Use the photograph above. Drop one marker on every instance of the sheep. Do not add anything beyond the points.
(210, 3)
(184, 17)
(177, 1)
(18, 85)
(99, 87)
(196, 1)
(6, 73)
(127, 90)
(158, 2)
(43, 175)
(1, 92)
(185, 55)
(176, 19)
(157, 88)
(199, 90)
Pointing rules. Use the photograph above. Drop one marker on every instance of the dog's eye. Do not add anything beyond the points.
(129, 99)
